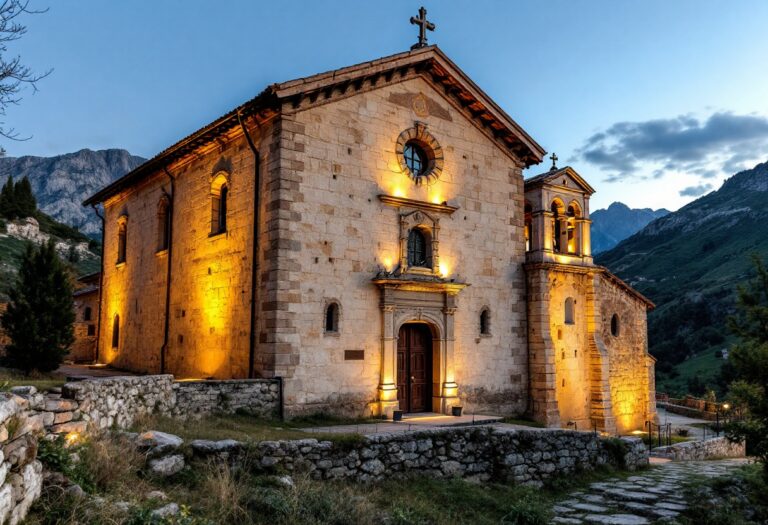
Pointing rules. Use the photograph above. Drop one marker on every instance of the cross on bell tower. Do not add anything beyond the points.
(424, 26)
(554, 158)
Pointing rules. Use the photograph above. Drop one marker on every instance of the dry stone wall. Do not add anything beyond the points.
(480, 453)
(259, 397)
(719, 447)
(21, 475)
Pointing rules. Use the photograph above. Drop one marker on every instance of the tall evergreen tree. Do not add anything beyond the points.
(8, 200)
(40, 313)
(749, 358)
(26, 205)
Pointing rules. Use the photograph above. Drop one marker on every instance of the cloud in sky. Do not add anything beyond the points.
(722, 143)
(695, 191)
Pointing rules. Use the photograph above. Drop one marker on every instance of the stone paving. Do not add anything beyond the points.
(651, 496)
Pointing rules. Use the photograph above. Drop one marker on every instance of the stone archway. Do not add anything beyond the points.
(433, 308)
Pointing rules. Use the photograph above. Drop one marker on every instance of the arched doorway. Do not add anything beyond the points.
(414, 368)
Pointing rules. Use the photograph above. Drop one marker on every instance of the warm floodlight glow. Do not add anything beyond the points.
(387, 263)
(398, 192)
(443, 269)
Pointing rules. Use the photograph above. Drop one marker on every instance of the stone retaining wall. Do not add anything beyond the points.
(719, 447)
(20, 472)
(480, 453)
(688, 411)
(259, 397)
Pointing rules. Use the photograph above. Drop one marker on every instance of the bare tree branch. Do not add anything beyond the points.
(14, 75)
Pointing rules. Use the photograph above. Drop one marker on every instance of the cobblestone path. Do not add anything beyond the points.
(651, 496)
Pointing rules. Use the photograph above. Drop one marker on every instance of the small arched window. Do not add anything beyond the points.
(122, 234)
(615, 326)
(572, 228)
(418, 248)
(569, 311)
(485, 322)
(116, 331)
(557, 226)
(219, 194)
(332, 318)
(87, 314)
(163, 224)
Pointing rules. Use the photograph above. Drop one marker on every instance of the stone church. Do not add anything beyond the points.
(366, 235)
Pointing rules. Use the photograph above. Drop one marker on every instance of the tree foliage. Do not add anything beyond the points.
(749, 358)
(40, 312)
(17, 199)
(14, 75)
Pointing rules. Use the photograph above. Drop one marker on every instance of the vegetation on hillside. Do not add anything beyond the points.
(690, 264)
(750, 362)
(40, 313)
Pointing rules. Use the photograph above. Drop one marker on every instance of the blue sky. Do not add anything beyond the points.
(654, 102)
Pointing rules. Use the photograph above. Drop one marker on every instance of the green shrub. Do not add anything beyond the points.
(617, 450)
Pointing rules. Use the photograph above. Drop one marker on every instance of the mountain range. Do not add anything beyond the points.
(690, 263)
(61, 183)
(617, 222)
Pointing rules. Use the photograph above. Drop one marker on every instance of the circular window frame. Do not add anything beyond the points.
(419, 136)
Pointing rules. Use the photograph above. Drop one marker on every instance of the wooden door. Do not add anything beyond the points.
(414, 368)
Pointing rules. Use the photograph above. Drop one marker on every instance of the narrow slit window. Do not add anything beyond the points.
(332, 318)
(116, 331)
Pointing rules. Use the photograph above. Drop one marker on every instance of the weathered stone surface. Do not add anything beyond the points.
(166, 511)
(158, 443)
(206, 447)
(72, 426)
(718, 447)
(166, 466)
(60, 405)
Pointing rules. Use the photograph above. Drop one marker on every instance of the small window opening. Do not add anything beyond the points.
(615, 326)
(332, 318)
(163, 225)
(116, 331)
(87, 314)
(121, 242)
(569, 311)
(485, 322)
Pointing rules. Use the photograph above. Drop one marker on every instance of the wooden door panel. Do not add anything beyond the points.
(414, 368)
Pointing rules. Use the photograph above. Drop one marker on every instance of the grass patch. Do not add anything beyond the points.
(740, 498)
(241, 427)
(212, 493)
(522, 422)
(10, 378)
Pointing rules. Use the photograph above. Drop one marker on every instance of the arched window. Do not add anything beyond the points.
(87, 314)
(528, 226)
(572, 228)
(163, 224)
(332, 318)
(615, 326)
(219, 194)
(116, 331)
(569, 311)
(485, 322)
(418, 248)
(557, 226)
(122, 233)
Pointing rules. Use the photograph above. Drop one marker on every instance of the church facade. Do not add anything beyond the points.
(366, 235)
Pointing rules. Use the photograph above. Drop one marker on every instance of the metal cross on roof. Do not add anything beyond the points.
(424, 26)
(554, 161)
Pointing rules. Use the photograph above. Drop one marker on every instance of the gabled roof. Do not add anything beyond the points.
(294, 95)
(552, 176)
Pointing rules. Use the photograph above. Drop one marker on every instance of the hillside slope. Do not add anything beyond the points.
(690, 263)
(614, 224)
(61, 183)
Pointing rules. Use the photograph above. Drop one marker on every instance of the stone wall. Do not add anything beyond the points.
(480, 453)
(719, 447)
(20, 472)
(99, 404)
(256, 396)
